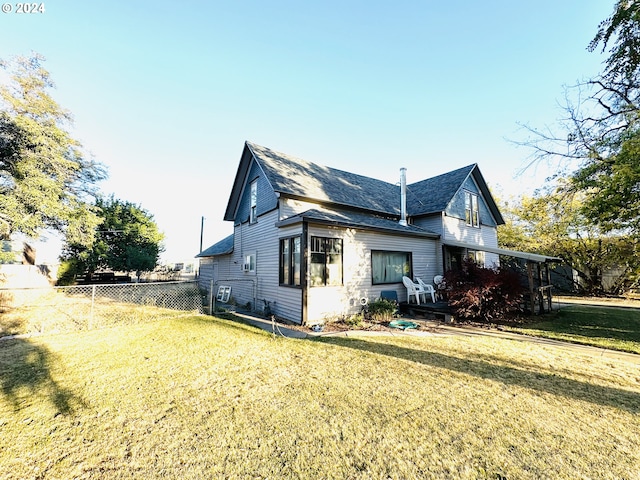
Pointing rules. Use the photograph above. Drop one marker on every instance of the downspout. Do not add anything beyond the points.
(403, 197)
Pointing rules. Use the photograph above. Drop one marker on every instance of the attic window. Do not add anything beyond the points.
(254, 202)
(471, 213)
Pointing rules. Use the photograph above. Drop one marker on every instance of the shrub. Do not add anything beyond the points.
(382, 310)
(483, 294)
(355, 320)
(67, 272)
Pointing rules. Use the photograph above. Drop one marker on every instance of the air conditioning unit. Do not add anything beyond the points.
(246, 267)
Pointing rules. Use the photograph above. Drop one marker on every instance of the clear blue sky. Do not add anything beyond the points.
(165, 93)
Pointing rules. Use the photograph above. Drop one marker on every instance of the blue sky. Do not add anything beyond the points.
(165, 93)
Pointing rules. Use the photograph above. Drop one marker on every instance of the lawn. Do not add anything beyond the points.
(616, 328)
(199, 397)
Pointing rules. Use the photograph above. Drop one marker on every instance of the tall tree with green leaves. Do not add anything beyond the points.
(553, 223)
(601, 132)
(127, 240)
(46, 179)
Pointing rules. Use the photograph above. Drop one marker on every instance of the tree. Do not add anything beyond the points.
(127, 240)
(553, 223)
(46, 180)
(602, 129)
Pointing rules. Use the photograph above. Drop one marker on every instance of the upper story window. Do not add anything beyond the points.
(326, 261)
(254, 202)
(471, 211)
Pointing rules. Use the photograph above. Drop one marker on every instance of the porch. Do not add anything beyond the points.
(440, 309)
(533, 268)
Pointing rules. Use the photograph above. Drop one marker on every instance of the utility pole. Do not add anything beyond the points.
(201, 232)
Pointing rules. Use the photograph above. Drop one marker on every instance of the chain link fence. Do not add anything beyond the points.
(86, 307)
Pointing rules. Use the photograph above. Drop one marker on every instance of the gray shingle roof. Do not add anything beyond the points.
(358, 220)
(434, 194)
(223, 247)
(300, 178)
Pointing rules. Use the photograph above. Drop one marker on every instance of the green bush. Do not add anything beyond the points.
(382, 310)
(355, 320)
(67, 272)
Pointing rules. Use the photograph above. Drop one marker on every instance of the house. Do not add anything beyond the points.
(313, 242)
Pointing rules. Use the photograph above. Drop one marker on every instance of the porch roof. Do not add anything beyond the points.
(223, 247)
(532, 257)
(357, 220)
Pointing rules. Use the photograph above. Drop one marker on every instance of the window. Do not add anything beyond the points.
(389, 267)
(476, 257)
(254, 202)
(249, 264)
(471, 215)
(290, 261)
(326, 261)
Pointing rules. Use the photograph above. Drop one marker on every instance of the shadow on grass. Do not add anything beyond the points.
(25, 372)
(508, 375)
(616, 328)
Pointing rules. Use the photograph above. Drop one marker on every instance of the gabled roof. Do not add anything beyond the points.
(223, 247)
(434, 194)
(301, 179)
(363, 221)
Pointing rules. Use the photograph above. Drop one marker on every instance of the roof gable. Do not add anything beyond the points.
(434, 194)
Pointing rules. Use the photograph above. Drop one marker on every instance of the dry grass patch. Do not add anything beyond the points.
(205, 398)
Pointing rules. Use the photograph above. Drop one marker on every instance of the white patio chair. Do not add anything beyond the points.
(427, 288)
(413, 289)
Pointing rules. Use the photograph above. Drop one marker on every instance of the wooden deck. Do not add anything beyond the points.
(439, 309)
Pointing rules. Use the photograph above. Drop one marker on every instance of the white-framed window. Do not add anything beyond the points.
(249, 264)
(254, 202)
(389, 267)
(471, 210)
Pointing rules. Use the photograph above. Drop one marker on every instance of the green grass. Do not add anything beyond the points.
(605, 327)
(197, 397)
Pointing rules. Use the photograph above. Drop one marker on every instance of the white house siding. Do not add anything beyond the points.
(206, 273)
(215, 271)
(434, 223)
(457, 229)
(290, 207)
(257, 239)
(324, 303)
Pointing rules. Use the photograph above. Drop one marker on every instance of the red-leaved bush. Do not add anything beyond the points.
(478, 293)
